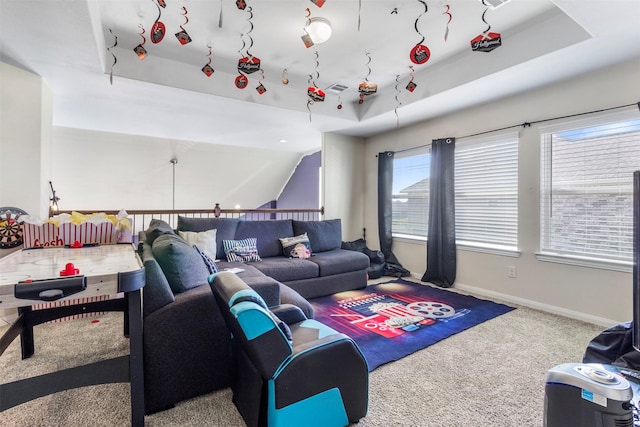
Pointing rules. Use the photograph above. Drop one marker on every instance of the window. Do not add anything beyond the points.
(410, 199)
(586, 188)
(486, 176)
(486, 193)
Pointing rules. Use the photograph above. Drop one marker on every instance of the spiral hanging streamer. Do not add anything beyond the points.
(486, 41)
(398, 103)
(186, 18)
(411, 86)
(182, 35)
(242, 50)
(207, 69)
(261, 89)
(244, 44)
(366, 79)
(415, 25)
(158, 29)
(446, 12)
(140, 50)
(285, 80)
(309, 100)
(366, 88)
(142, 31)
(316, 68)
(248, 34)
(115, 60)
(359, 13)
(484, 20)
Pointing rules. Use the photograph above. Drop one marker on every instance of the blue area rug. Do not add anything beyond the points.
(394, 319)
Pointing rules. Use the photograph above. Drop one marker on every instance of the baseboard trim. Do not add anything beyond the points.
(601, 321)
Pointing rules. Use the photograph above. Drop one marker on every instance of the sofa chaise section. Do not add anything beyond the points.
(186, 344)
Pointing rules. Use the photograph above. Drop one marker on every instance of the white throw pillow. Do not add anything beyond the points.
(205, 240)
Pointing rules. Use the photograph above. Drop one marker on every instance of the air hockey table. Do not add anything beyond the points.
(73, 275)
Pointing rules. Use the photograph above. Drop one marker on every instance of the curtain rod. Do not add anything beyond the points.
(528, 124)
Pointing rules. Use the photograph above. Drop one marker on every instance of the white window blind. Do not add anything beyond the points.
(410, 202)
(586, 187)
(486, 175)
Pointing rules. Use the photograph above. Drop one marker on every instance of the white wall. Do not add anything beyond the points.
(101, 170)
(26, 106)
(596, 295)
(343, 183)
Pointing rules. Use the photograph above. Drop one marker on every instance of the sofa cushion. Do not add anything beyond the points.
(206, 240)
(284, 269)
(268, 233)
(225, 229)
(323, 235)
(340, 261)
(181, 263)
(157, 228)
(157, 292)
(297, 246)
(241, 250)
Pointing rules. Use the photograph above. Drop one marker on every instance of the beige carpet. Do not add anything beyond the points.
(490, 375)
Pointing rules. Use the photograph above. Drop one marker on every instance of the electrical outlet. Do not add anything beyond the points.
(511, 271)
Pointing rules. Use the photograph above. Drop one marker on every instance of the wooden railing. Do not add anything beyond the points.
(140, 218)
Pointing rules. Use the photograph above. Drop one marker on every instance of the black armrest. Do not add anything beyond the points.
(288, 313)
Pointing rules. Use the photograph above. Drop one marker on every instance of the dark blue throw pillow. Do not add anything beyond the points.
(211, 265)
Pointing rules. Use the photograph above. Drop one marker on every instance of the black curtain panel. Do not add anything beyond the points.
(441, 244)
(392, 266)
(385, 192)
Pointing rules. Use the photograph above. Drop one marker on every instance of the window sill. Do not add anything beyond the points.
(463, 246)
(622, 266)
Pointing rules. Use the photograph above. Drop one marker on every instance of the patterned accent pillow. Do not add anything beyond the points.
(296, 247)
(241, 250)
(211, 265)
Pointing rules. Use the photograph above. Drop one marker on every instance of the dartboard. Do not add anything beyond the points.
(10, 227)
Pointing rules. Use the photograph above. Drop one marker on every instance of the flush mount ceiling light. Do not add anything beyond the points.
(319, 29)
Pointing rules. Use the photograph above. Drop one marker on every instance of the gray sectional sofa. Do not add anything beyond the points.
(329, 270)
(186, 344)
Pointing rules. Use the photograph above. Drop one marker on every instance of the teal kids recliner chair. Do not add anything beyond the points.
(290, 370)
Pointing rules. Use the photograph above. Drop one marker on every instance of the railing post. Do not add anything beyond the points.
(216, 210)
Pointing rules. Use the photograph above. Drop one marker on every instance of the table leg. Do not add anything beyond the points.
(136, 372)
(26, 336)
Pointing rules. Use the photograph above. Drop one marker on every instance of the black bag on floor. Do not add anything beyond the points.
(395, 270)
(376, 258)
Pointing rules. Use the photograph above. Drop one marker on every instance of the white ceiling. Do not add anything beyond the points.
(70, 44)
